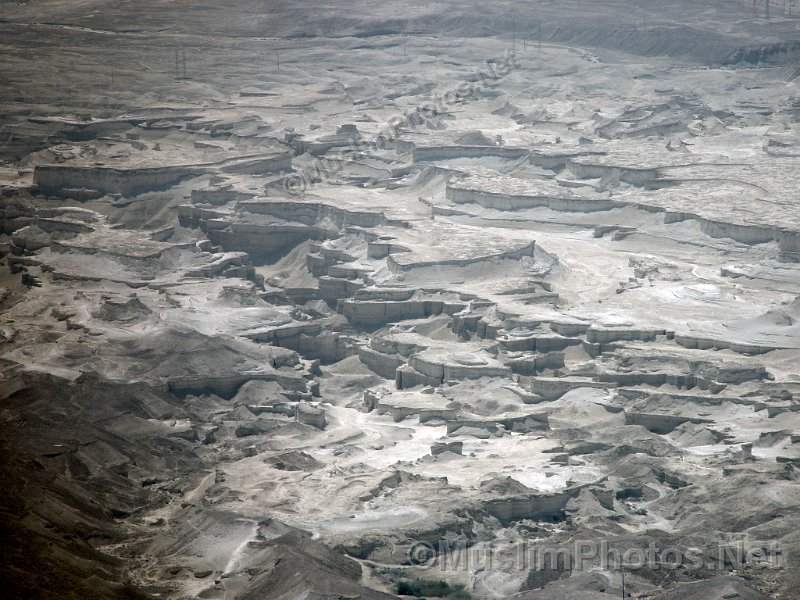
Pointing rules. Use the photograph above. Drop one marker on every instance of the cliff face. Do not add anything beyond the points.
(57, 180)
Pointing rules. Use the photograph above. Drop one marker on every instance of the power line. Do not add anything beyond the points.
(180, 64)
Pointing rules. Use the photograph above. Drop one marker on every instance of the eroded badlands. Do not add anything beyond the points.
(253, 346)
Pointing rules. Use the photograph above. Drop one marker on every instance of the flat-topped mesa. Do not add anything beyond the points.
(546, 506)
(309, 414)
(555, 158)
(425, 403)
(710, 342)
(268, 228)
(749, 203)
(636, 163)
(216, 196)
(438, 366)
(479, 318)
(401, 262)
(603, 335)
(43, 226)
(261, 237)
(493, 190)
(180, 361)
(312, 212)
(386, 353)
(713, 191)
(340, 274)
(317, 339)
(383, 246)
(447, 152)
(498, 425)
(661, 424)
(375, 307)
(636, 364)
(346, 136)
(381, 363)
(69, 179)
(587, 169)
(345, 265)
(97, 159)
(438, 243)
(82, 231)
(529, 363)
(412, 359)
(684, 397)
(448, 145)
(324, 255)
(552, 388)
(229, 264)
(538, 340)
(600, 340)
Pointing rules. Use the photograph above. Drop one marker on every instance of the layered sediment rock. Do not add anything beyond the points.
(299, 338)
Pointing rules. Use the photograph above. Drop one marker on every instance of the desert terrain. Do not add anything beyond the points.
(378, 299)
